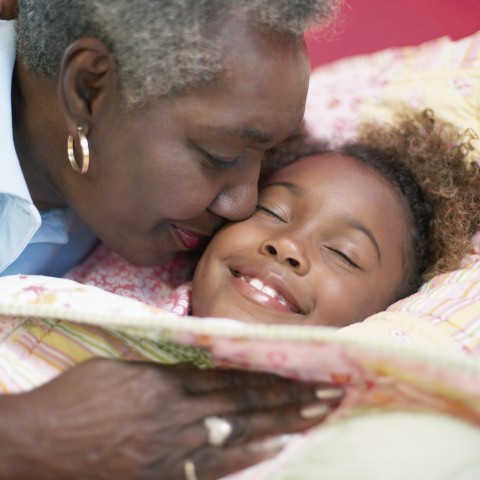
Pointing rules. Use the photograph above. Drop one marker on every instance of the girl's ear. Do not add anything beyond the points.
(88, 83)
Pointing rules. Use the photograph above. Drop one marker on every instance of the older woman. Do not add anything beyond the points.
(143, 124)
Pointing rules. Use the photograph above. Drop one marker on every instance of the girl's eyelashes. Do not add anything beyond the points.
(270, 212)
(344, 257)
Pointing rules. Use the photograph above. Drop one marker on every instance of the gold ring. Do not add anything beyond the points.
(218, 430)
(189, 470)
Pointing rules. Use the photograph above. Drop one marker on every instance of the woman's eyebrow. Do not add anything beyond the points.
(251, 133)
(291, 187)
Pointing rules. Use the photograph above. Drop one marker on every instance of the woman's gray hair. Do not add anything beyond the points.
(160, 46)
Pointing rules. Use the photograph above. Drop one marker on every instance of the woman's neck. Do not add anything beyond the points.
(39, 135)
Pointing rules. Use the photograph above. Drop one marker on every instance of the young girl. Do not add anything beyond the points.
(337, 235)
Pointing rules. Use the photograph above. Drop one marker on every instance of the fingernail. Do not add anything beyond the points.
(328, 393)
(270, 446)
(315, 410)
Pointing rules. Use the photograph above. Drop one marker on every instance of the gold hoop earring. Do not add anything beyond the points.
(85, 152)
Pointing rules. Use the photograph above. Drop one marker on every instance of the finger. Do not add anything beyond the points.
(254, 426)
(213, 463)
(246, 428)
(256, 399)
(197, 380)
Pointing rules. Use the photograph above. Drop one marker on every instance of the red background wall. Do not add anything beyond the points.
(369, 25)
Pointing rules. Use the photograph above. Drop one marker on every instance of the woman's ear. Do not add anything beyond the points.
(87, 82)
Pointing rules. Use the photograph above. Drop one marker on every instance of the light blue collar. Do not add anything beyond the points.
(12, 181)
(19, 219)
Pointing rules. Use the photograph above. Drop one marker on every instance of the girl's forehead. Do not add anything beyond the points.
(342, 179)
(315, 166)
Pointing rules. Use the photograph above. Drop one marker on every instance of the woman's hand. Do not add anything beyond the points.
(108, 419)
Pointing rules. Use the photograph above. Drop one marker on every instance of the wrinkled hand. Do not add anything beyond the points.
(107, 419)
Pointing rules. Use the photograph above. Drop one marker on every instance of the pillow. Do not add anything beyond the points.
(445, 311)
(442, 74)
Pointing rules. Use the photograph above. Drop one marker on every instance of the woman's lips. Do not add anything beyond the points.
(190, 239)
(267, 294)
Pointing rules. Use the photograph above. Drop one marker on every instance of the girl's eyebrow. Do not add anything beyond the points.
(362, 228)
(291, 187)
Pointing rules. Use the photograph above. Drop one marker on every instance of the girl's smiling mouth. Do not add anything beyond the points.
(268, 292)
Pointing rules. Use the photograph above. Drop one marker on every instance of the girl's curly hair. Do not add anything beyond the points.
(435, 153)
(425, 159)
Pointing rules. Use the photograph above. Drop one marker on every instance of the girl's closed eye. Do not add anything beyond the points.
(345, 258)
(272, 211)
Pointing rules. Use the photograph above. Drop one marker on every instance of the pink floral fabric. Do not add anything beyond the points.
(167, 286)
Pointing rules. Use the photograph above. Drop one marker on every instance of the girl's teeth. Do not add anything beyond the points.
(269, 291)
(282, 301)
(256, 283)
(259, 285)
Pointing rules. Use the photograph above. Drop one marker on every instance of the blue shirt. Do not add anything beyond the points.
(31, 242)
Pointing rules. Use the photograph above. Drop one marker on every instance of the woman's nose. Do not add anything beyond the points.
(287, 251)
(235, 204)
(238, 201)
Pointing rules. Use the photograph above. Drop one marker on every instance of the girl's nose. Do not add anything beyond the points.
(287, 251)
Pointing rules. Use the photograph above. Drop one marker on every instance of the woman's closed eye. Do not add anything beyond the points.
(344, 258)
(222, 163)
